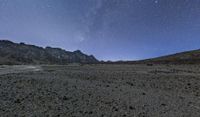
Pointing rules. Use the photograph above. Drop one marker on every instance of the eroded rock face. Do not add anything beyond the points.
(14, 53)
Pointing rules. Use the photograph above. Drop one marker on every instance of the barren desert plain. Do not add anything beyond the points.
(101, 90)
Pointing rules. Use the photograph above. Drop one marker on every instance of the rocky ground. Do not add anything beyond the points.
(100, 91)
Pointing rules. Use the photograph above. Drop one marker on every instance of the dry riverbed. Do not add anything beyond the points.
(100, 91)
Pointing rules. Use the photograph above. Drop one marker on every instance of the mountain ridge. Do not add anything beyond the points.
(21, 53)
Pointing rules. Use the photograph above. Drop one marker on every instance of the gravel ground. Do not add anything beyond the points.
(100, 91)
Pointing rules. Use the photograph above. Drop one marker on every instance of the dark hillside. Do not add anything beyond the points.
(14, 53)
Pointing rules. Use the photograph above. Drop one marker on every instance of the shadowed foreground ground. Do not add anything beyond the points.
(100, 91)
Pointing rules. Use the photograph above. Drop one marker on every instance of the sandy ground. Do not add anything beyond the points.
(5, 69)
(100, 91)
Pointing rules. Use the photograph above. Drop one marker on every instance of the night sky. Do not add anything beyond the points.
(108, 29)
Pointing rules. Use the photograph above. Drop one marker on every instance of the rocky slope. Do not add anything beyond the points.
(188, 57)
(14, 53)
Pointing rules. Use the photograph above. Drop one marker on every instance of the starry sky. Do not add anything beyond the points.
(108, 29)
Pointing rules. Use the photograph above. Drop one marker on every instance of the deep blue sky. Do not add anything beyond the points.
(108, 29)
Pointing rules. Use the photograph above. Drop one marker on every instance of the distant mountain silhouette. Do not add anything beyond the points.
(14, 53)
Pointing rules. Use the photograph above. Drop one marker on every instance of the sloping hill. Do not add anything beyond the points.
(188, 57)
(14, 53)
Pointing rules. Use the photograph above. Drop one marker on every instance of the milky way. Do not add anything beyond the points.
(109, 29)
